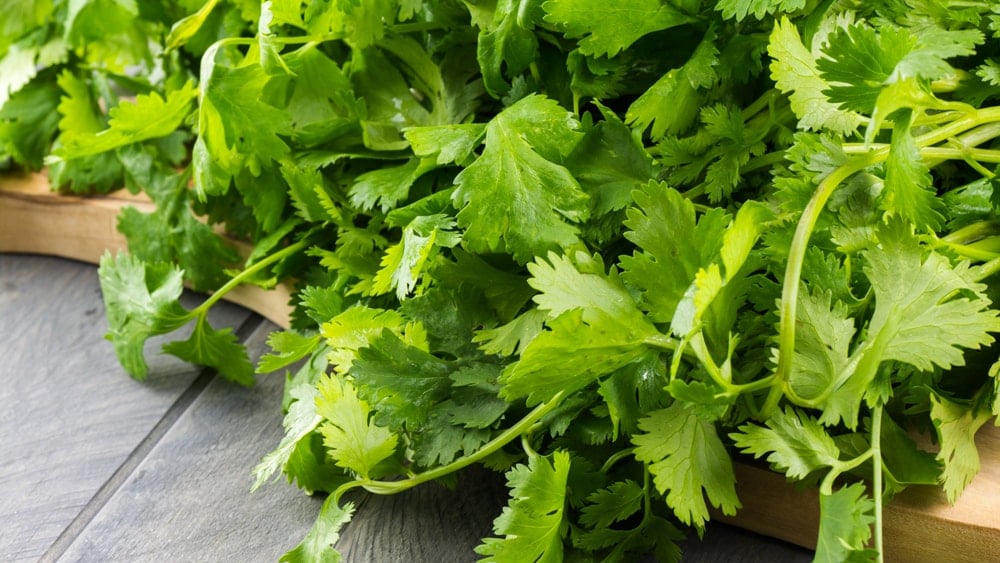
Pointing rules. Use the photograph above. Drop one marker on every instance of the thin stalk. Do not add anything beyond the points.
(248, 272)
(988, 269)
(491, 447)
(877, 480)
(793, 271)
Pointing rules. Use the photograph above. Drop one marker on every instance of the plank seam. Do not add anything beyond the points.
(110, 487)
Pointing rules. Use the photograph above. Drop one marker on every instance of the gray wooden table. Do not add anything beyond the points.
(95, 466)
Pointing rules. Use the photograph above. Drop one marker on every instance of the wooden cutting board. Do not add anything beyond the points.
(920, 525)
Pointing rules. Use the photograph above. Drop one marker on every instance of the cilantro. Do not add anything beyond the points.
(688, 461)
(533, 524)
(606, 247)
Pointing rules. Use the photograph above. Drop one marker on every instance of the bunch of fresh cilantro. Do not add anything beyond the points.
(605, 247)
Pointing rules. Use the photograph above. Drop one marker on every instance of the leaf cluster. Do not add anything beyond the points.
(609, 249)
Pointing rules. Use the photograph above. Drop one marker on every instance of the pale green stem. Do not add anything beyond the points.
(877, 479)
(491, 447)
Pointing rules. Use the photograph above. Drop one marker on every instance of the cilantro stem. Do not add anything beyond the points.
(988, 269)
(248, 272)
(491, 447)
(793, 273)
(877, 479)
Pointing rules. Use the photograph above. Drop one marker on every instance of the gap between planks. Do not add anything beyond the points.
(141, 451)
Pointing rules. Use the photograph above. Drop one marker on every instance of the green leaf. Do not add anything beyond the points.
(572, 355)
(909, 191)
(794, 70)
(298, 423)
(740, 9)
(446, 143)
(353, 441)
(608, 28)
(823, 338)
(150, 116)
(237, 129)
(317, 546)
(956, 426)
(845, 525)
(185, 28)
(401, 382)
(616, 503)
(672, 103)
(506, 43)
(688, 462)
(141, 300)
(218, 349)
(926, 309)
(566, 284)
(533, 524)
(515, 197)
(673, 247)
(859, 61)
(514, 336)
(28, 123)
(289, 347)
(353, 329)
(793, 442)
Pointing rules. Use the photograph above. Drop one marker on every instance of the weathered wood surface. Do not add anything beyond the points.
(69, 417)
(97, 467)
(189, 500)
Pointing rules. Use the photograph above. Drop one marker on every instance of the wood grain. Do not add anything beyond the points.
(69, 415)
(189, 499)
(35, 220)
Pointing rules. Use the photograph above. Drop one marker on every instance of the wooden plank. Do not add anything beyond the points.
(428, 523)
(920, 525)
(69, 416)
(36, 220)
(189, 499)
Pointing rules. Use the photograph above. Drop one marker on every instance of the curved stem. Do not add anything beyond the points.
(491, 447)
(793, 272)
(248, 272)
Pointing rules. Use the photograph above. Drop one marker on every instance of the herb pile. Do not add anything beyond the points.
(605, 247)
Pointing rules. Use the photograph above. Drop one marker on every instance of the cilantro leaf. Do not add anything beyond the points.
(794, 69)
(956, 426)
(673, 247)
(353, 441)
(141, 301)
(740, 9)
(688, 462)
(298, 423)
(507, 42)
(289, 347)
(533, 524)
(572, 355)
(237, 128)
(514, 197)
(319, 541)
(148, 117)
(671, 104)
(607, 28)
(217, 349)
(845, 525)
(615, 503)
(401, 382)
(919, 316)
(909, 191)
(797, 444)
